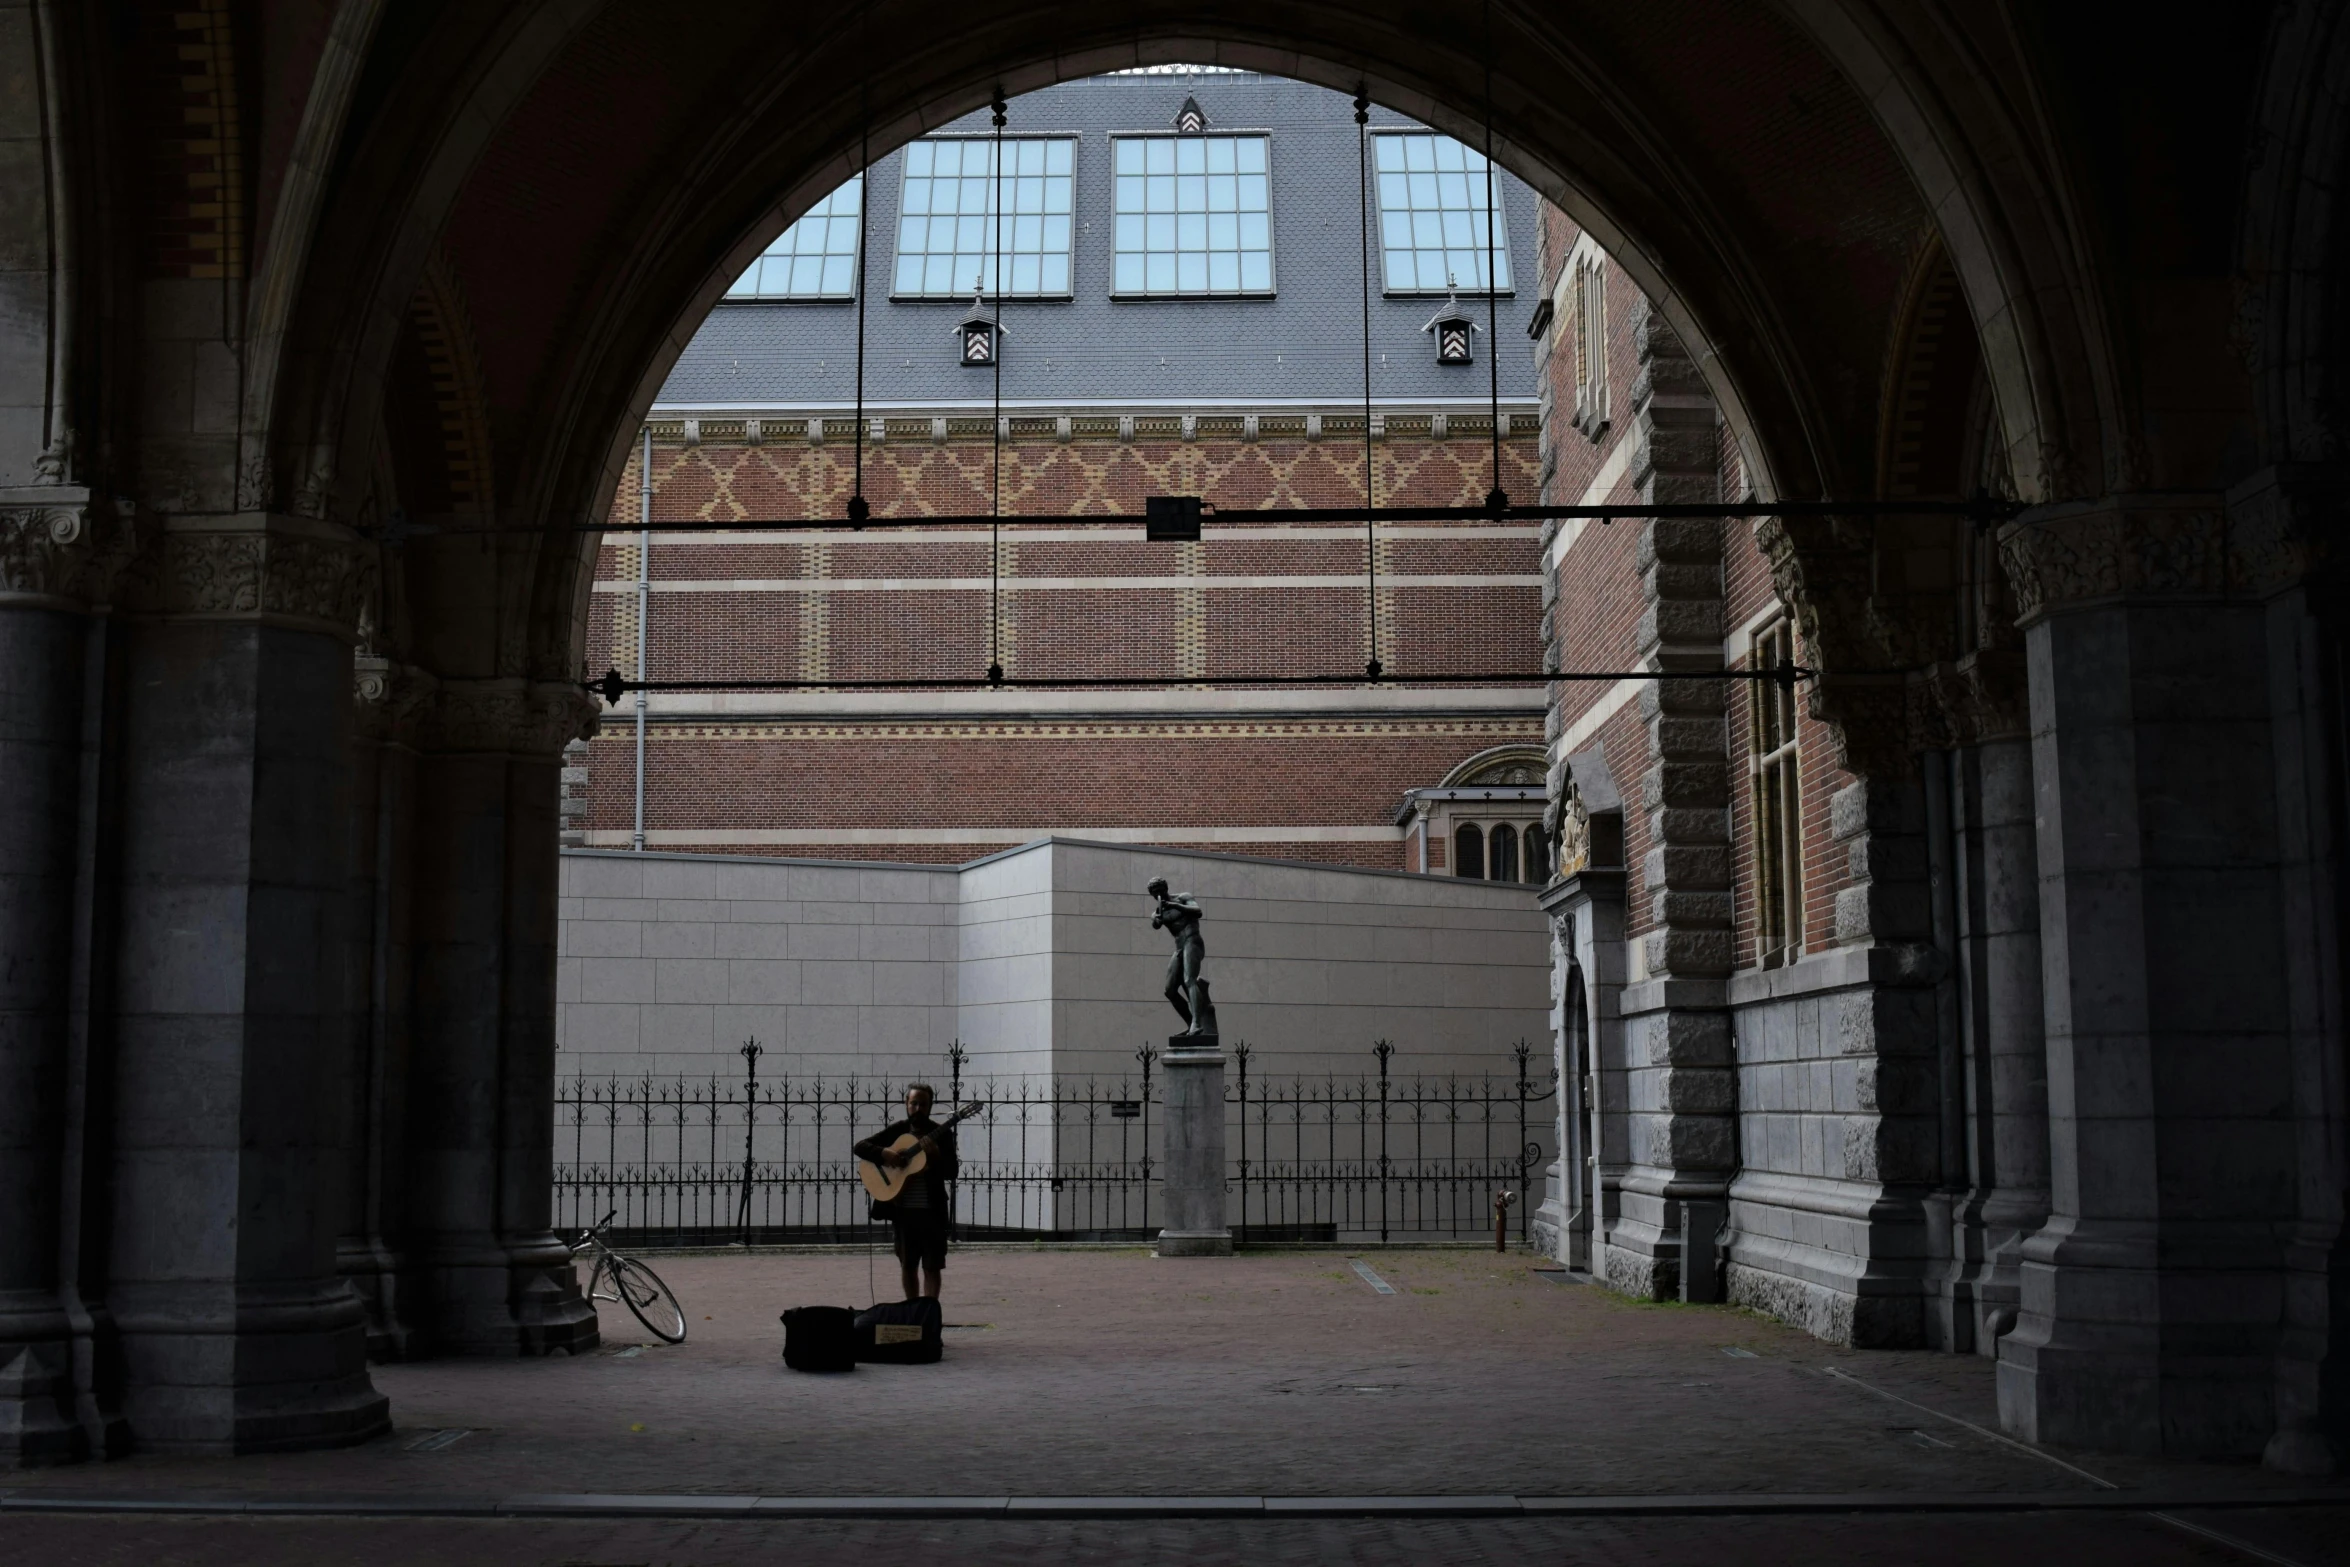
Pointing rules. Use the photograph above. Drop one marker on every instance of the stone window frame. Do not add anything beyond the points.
(1525, 833)
(1466, 835)
(1774, 768)
(1580, 309)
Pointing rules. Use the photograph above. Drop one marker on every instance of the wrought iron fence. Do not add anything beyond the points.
(1379, 1156)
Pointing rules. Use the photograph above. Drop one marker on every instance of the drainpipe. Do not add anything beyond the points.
(644, 607)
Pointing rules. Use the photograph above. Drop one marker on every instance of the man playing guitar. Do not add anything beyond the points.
(919, 1214)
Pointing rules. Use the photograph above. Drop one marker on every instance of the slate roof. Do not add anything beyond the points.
(1301, 346)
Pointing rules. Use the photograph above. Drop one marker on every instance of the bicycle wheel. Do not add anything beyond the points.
(641, 1288)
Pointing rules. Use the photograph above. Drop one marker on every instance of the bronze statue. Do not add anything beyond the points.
(1179, 914)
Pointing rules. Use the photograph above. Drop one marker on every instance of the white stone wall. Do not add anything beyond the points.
(669, 962)
(1040, 960)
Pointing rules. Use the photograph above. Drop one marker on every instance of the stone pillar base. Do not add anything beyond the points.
(247, 1369)
(492, 1299)
(1192, 1157)
(37, 1424)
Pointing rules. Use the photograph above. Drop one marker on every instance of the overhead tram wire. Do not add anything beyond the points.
(995, 360)
(1370, 469)
(1983, 511)
(859, 511)
(1497, 499)
(1780, 674)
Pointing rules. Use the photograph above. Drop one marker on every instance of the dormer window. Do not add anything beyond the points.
(1191, 119)
(1454, 331)
(975, 336)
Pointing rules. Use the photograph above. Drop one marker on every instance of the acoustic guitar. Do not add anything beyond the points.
(886, 1183)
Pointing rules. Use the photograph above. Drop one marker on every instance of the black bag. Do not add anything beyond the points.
(820, 1338)
(902, 1332)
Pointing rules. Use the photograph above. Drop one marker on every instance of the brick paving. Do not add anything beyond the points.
(1119, 1374)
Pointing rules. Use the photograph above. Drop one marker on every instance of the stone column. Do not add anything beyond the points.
(1191, 1159)
(491, 1278)
(1681, 1081)
(2150, 1299)
(387, 698)
(43, 636)
(2005, 1089)
(237, 1333)
(2308, 626)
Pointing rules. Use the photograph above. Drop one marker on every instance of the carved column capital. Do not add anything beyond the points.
(267, 567)
(535, 718)
(59, 550)
(1967, 701)
(388, 699)
(2173, 546)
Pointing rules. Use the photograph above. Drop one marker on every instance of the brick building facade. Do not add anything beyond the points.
(1796, 988)
(1247, 401)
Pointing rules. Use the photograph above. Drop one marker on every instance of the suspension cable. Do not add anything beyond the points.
(614, 684)
(859, 511)
(1497, 498)
(1370, 469)
(1984, 511)
(995, 356)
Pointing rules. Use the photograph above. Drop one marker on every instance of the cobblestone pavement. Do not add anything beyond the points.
(2312, 1537)
(1116, 1373)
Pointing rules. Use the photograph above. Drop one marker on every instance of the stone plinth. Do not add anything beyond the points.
(1191, 1158)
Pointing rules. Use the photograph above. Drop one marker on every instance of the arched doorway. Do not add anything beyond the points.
(461, 280)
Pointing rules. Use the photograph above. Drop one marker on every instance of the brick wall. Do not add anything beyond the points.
(807, 774)
(1598, 608)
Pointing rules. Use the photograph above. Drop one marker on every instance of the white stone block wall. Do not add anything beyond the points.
(1040, 960)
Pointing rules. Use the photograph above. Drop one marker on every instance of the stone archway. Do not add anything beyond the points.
(208, 513)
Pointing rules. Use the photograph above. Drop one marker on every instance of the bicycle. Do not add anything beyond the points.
(635, 1286)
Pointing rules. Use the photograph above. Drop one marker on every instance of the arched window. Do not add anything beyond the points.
(1468, 851)
(1537, 856)
(1502, 852)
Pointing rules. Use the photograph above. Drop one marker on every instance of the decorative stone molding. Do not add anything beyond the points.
(280, 570)
(58, 551)
(1968, 701)
(2149, 547)
(527, 718)
(388, 698)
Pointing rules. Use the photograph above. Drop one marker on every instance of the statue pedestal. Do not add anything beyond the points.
(1191, 1156)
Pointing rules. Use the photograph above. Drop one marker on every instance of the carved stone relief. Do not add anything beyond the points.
(2123, 550)
(314, 578)
(388, 699)
(531, 718)
(64, 555)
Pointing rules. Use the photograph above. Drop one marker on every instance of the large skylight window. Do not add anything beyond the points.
(816, 258)
(947, 218)
(1194, 216)
(1432, 216)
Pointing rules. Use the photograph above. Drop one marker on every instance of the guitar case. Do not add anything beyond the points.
(820, 1338)
(901, 1332)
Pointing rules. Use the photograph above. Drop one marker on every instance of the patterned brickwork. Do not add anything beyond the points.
(1085, 601)
(453, 365)
(914, 476)
(198, 206)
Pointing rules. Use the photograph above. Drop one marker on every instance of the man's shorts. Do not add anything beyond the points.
(921, 1237)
